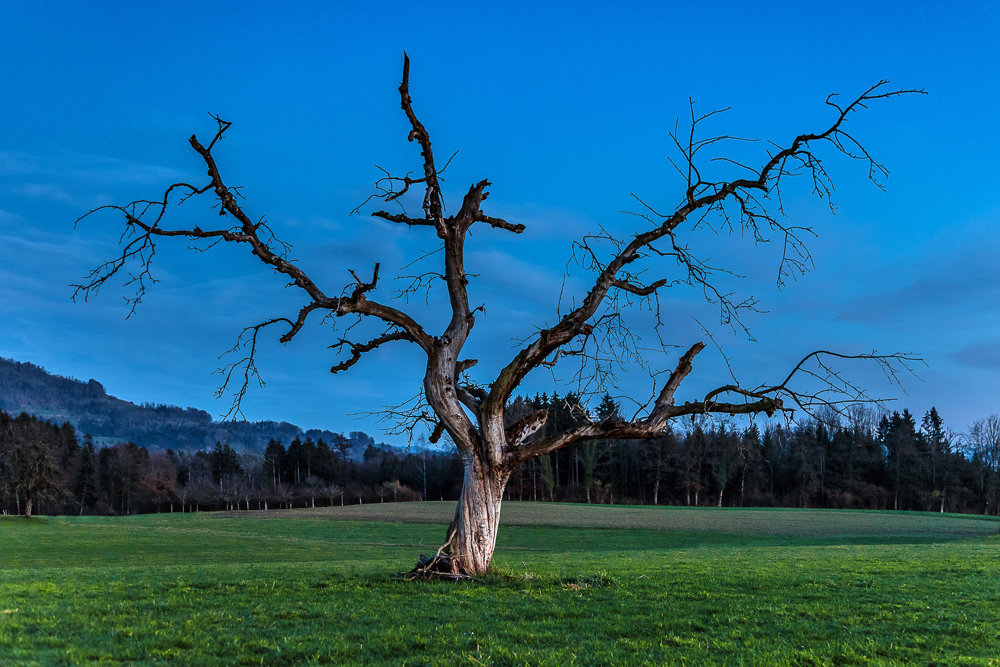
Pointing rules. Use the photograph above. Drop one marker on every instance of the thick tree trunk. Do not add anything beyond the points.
(472, 535)
(28, 502)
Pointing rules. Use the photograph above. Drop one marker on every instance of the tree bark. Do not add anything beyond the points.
(473, 532)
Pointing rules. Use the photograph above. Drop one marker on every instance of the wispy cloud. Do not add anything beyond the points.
(81, 181)
(90, 169)
(983, 355)
(928, 297)
(946, 286)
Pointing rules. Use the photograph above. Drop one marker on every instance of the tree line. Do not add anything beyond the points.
(867, 459)
(871, 460)
(45, 469)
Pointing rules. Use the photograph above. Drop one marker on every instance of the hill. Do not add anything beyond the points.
(25, 387)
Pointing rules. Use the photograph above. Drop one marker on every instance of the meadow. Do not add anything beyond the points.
(572, 585)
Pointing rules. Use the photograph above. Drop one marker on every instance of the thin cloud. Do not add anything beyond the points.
(983, 355)
(89, 169)
(957, 284)
(923, 299)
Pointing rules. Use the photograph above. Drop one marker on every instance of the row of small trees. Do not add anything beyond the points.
(870, 461)
(311, 474)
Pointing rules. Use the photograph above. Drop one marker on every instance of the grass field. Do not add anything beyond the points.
(574, 585)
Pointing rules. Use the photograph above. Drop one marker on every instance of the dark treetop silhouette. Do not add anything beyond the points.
(492, 441)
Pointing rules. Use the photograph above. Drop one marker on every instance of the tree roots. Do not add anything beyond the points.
(438, 566)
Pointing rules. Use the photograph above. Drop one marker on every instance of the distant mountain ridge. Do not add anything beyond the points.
(25, 387)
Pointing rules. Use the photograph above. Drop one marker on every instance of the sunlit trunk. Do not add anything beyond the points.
(473, 532)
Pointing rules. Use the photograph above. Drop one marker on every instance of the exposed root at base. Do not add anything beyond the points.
(438, 566)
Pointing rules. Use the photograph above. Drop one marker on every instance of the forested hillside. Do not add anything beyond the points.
(25, 387)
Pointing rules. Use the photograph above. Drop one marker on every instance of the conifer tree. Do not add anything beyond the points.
(85, 487)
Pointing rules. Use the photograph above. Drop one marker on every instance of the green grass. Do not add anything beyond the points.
(666, 586)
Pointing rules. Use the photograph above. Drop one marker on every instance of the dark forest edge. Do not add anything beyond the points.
(879, 460)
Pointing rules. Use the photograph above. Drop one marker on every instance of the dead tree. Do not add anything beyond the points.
(472, 413)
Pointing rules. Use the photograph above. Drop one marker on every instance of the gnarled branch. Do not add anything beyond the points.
(358, 349)
(701, 197)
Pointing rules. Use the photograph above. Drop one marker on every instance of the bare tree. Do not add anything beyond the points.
(593, 333)
(331, 492)
(252, 466)
(161, 479)
(983, 445)
(27, 461)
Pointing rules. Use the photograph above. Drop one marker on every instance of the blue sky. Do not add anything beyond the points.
(565, 107)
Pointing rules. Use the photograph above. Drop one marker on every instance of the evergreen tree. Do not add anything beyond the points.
(548, 475)
(225, 465)
(769, 453)
(342, 445)
(85, 486)
(939, 456)
(295, 462)
(274, 456)
(322, 467)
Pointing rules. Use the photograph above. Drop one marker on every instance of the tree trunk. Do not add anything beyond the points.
(28, 501)
(472, 534)
(743, 485)
(534, 482)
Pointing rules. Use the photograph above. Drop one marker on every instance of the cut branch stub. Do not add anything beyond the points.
(526, 427)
